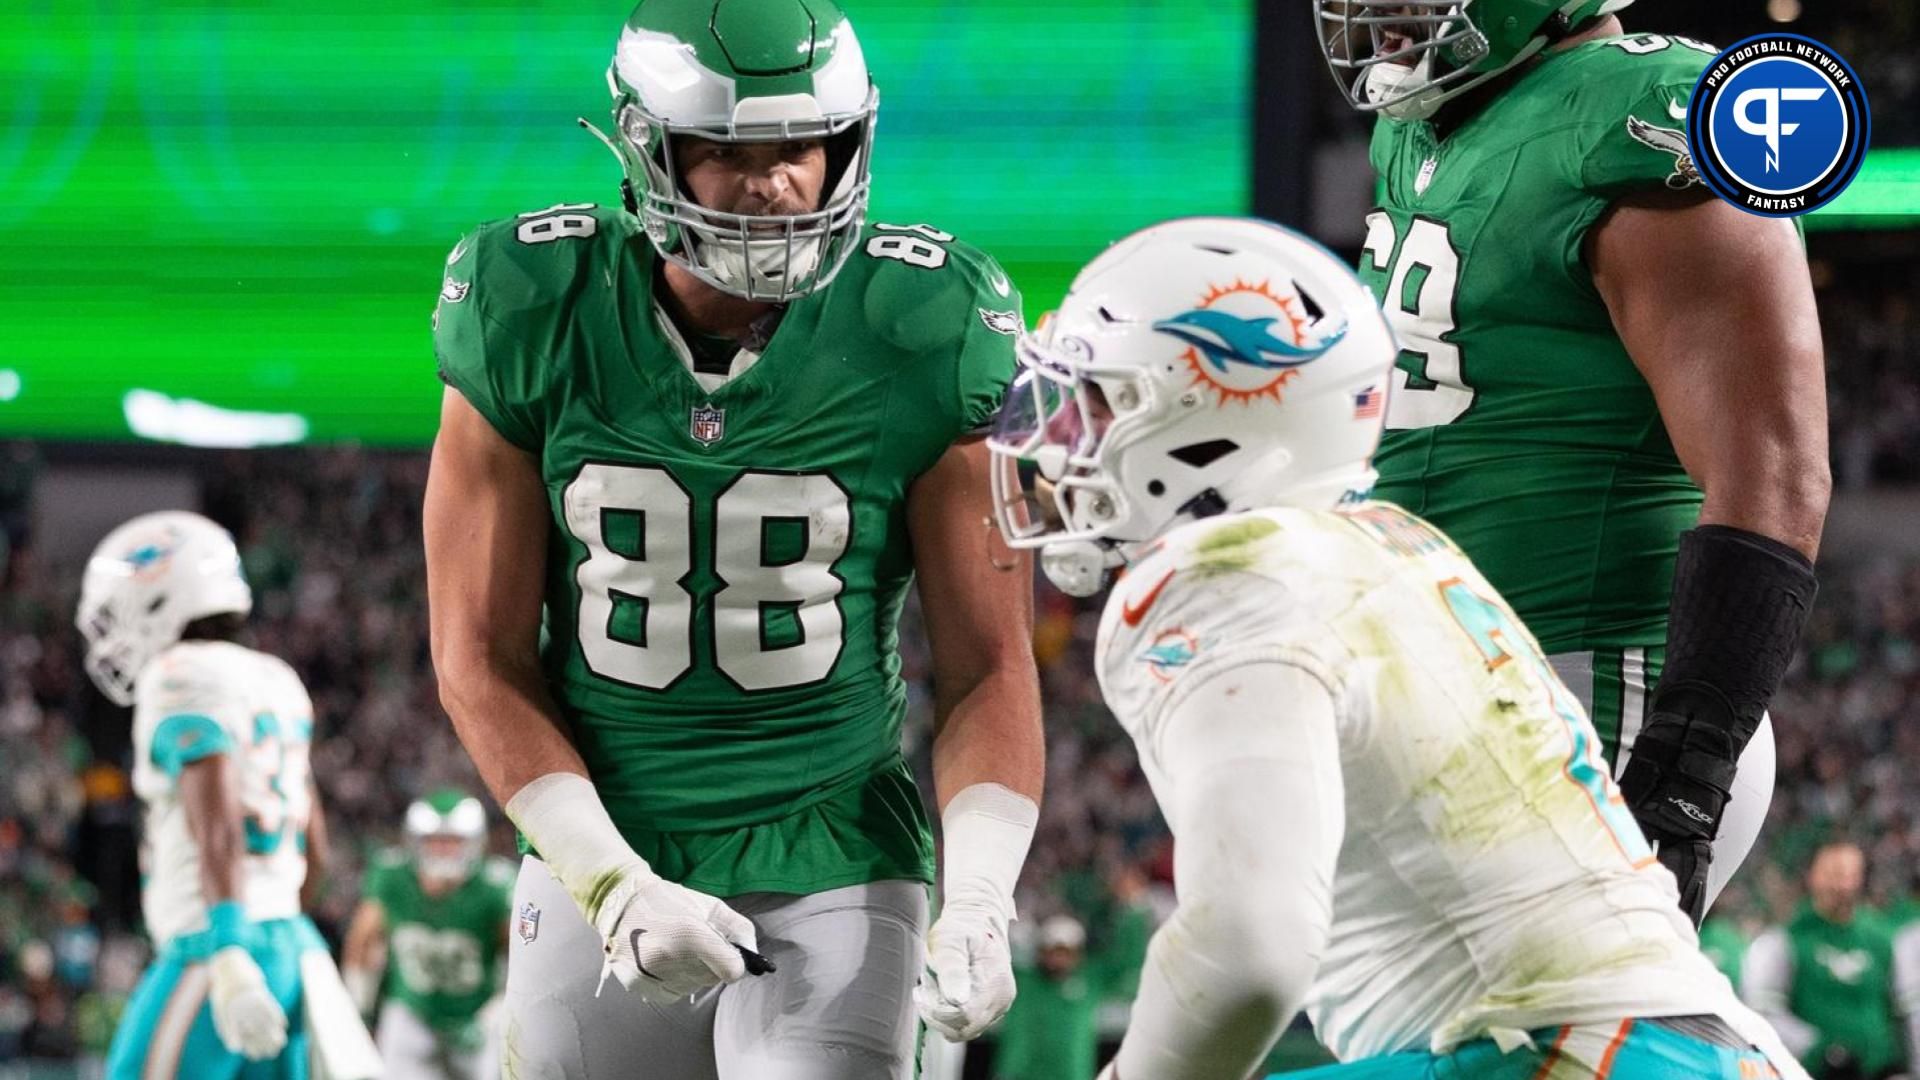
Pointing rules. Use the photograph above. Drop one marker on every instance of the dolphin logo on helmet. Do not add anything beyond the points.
(1222, 337)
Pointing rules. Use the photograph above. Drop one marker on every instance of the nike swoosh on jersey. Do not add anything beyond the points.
(1677, 109)
(1132, 613)
(999, 282)
(459, 250)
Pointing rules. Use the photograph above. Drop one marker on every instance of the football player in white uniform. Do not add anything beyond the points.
(241, 981)
(1388, 810)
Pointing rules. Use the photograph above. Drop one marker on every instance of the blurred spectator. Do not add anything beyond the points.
(1722, 939)
(1053, 1030)
(1825, 979)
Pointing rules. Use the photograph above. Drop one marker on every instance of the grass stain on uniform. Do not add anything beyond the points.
(1233, 547)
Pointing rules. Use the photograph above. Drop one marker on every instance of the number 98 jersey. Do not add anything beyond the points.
(446, 949)
(726, 566)
(196, 700)
(1518, 423)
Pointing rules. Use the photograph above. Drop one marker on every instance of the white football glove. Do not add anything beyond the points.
(246, 1015)
(665, 941)
(969, 979)
(662, 941)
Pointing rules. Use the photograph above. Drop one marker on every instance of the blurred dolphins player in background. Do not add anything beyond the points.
(1387, 807)
(433, 920)
(242, 983)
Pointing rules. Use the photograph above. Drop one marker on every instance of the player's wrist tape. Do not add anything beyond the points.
(987, 829)
(1740, 601)
(562, 817)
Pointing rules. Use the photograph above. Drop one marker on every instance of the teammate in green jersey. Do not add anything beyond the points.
(434, 916)
(1590, 342)
(1829, 979)
(705, 441)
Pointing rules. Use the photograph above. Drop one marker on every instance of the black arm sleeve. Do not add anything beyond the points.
(1740, 601)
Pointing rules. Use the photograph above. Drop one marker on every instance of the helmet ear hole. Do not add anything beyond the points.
(1315, 312)
(1202, 454)
(1156, 489)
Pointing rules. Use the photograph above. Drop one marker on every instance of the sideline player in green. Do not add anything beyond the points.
(705, 443)
(1590, 342)
(434, 917)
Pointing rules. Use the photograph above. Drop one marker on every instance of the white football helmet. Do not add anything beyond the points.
(448, 833)
(144, 583)
(743, 71)
(1202, 365)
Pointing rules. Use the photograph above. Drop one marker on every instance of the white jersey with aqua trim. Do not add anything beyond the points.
(1489, 879)
(201, 698)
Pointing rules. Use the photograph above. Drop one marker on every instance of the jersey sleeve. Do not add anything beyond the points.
(477, 353)
(986, 350)
(1205, 603)
(1633, 132)
(185, 712)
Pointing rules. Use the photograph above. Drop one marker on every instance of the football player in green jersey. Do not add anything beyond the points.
(1610, 391)
(692, 452)
(434, 916)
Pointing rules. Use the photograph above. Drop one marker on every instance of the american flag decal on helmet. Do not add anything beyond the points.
(1368, 403)
(707, 424)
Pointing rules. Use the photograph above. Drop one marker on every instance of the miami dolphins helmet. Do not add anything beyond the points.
(144, 583)
(744, 71)
(447, 830)
(1198, 366)
(1406, 58)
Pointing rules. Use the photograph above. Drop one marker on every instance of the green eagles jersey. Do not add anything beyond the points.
(444, 952)
(1843, 987)
(1517, 422)
(1724, 944)
(726, 568)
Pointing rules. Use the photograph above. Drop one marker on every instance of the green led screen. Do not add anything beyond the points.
(219, 207)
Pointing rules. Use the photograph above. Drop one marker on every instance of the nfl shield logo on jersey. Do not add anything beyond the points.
(529, 922)
(708, 424)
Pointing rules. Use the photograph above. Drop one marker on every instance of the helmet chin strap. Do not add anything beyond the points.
(1386, 81)
(759, 263)
(1080, 567)
(627, 198)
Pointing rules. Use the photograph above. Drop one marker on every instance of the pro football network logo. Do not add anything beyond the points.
(1247, 341)
(1778, 125)
(707, 424)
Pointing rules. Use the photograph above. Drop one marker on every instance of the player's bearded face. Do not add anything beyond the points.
(773, 178)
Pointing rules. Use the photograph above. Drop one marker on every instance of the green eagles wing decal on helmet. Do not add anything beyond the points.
(744, 71)
(447, 814)
(1406, 58)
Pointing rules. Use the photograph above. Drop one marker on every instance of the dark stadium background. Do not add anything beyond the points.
(330, 532)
